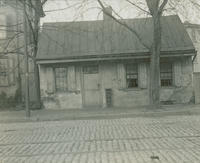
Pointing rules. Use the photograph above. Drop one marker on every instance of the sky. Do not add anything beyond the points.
(80, 10)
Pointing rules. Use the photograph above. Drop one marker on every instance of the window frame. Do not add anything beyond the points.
(136, 84)
(65, 87)
(168, 80)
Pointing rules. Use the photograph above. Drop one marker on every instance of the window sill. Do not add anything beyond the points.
(68, 91)
(167, 87)
(5, 86)
(132, 89)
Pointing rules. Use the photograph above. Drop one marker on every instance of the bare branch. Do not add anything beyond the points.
(195, 3)
(138, 7)
(43, 2)
(123, 24)
(162, 6)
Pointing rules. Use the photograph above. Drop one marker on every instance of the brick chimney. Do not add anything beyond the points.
(109, 11)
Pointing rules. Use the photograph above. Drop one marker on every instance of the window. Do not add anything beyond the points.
(166, 74)
(61, 79)
(132, 75)
(3, 72)
(2, 26)
(91, 69)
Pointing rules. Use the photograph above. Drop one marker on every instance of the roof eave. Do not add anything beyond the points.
(184, 53)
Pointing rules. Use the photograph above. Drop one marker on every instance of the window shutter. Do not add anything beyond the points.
(142, 75)
(50, 80)
(71, 78)
(177, 73)
(121, 75)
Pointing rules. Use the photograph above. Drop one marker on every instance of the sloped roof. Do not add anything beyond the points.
(85, 39)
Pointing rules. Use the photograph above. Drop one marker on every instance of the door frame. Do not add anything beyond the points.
(82, 84)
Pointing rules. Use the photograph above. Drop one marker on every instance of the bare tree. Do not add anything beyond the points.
(156, 9)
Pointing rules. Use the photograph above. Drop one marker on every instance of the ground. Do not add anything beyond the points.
(170, 139)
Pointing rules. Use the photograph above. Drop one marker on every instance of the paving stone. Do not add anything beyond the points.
(125, 140)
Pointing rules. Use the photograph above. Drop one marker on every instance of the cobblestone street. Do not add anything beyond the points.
(127, 140)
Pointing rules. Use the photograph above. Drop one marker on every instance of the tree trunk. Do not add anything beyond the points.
(35, 50)
(155, 63)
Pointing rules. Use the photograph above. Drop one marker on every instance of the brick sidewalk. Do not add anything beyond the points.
(100, 113)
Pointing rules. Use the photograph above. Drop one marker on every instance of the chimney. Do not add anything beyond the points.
(106, 12)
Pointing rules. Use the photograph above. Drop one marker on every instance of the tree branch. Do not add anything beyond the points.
(162, 6)
(138, 6)
(43, 2)
(153, 5)
(123, 24)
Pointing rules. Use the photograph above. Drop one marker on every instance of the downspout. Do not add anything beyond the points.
(194, 57)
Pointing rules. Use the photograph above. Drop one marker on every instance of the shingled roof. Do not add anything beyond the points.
(98, 39)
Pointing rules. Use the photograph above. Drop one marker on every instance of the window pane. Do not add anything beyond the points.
(61, 79)
(131, 75)
(166, 74)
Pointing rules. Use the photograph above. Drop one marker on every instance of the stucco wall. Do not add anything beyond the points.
(112, 76)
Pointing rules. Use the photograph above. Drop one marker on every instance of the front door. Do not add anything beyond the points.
(91, 86)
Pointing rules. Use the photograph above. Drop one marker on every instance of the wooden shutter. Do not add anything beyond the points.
(71, 78)
(50, 80)
(142, 75)
(121, 75)
(177, 73)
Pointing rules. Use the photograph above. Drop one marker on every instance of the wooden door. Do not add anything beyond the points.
(91, 84)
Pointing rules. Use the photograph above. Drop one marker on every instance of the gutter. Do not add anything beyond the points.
(68, 60)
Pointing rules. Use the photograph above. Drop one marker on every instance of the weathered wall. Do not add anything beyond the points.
(112, 75)
(59, 100)
(182, 91)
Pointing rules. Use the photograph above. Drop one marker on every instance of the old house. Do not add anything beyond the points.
(101, 63)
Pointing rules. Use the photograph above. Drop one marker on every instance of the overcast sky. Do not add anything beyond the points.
(76, 10)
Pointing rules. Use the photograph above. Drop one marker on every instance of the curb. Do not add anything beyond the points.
(147, 114)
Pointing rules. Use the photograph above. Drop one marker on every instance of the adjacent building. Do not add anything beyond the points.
(9, 47)
(102, 64)
(12, 53)
(194, 33)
